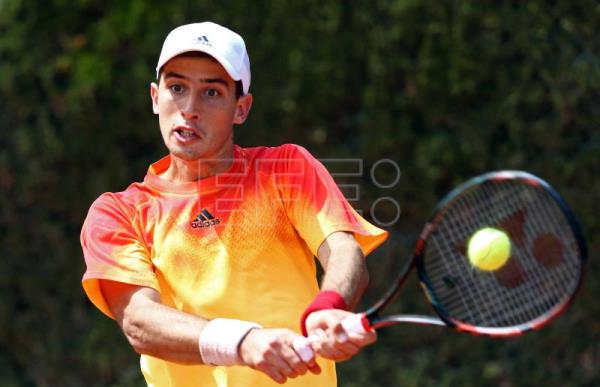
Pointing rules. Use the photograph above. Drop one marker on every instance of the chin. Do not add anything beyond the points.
(185, 154)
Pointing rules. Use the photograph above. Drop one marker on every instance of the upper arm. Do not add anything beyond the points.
(114, 249)
(123, 298)
(339, 244)
(317, 208)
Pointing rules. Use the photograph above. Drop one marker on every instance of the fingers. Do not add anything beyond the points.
(279, 367)
(303, 347)
(294, 361)
(273, 352)
(335, 344)
(334, 341)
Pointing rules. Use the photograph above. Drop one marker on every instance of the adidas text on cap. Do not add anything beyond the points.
(227, 47)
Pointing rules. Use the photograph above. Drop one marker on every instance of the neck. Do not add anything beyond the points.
(185, 171)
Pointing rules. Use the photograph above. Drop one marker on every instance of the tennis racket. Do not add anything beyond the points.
(535, 285)
(537, 282)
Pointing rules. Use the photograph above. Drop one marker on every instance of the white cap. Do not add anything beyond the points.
(227, 47)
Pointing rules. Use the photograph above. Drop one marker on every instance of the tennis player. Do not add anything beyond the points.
(208, 264)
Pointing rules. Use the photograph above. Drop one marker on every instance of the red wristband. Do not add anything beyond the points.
(327, 299)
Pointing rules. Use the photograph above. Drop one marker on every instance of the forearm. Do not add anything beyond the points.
(160, 331)
(152, 328)
(171, 335)
(163, 332)
(345, 270)
(346, 274)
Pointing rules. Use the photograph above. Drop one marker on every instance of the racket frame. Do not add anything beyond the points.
(371, 319)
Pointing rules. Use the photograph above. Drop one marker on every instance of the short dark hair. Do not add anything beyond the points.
(239, 88)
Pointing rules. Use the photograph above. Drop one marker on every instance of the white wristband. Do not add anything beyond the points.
(220, 338)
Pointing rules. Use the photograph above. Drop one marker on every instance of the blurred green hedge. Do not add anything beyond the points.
(444, 89)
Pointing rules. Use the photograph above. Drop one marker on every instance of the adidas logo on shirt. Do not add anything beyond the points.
(205, 219)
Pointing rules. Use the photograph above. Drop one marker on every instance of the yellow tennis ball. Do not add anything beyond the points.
(489, 249)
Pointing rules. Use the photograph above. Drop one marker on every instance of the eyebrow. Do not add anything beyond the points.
(173, 74)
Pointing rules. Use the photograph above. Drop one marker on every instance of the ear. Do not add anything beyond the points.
(154, 97)
(244, 103)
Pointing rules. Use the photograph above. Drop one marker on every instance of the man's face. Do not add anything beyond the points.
(197, 107)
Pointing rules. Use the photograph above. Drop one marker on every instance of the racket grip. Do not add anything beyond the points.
(357, 324)
(302, 346)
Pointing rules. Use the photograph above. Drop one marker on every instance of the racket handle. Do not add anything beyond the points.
(303, 347)
(357, 324)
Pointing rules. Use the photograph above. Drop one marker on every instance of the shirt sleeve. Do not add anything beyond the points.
(113, 250)
(317, 207)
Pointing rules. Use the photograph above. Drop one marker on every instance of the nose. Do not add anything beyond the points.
(190, 107)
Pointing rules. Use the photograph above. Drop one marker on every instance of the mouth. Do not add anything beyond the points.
(186, 134)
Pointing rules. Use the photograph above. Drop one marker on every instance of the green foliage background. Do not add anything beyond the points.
(446, 89)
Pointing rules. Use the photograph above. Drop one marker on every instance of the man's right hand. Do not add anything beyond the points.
(271, 351)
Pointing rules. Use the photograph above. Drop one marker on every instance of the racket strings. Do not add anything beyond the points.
(530, 284)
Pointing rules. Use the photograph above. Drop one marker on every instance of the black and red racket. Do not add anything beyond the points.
(534, 286)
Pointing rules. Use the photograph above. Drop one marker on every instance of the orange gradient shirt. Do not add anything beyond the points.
(240, 244)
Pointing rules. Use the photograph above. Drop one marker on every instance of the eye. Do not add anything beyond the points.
(212, 92)
(176, 88)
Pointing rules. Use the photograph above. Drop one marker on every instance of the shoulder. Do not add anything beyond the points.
(121, 204)
(281, 153)
(288, 159)
(289, 163)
